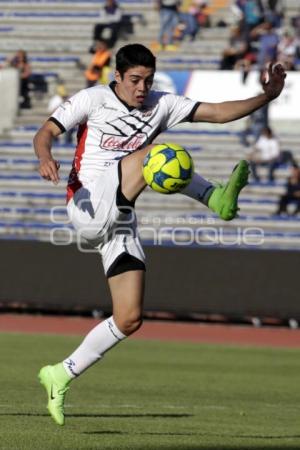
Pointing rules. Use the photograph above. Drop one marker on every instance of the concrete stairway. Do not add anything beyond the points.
(33, 208)
(57, 34)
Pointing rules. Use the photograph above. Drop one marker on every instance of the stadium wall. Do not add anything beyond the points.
(9, 88)
(232, 283)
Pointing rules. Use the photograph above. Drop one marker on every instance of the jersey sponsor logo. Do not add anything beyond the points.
(146, 111)
(113, 142)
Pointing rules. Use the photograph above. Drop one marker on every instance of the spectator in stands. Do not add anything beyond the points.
(187, 26)
(295, 23)
(20, 62)
(195, 18)
(108, 28)
(237, 11)
(240, 53)
(292, 194)
(267, 153)
(285, 157)
(251, 14)
(257, 121)
(201, 12)
(169, 16)
(235, 51)
(100, 60)
(267, 39)
(273, 12)
(287, 50)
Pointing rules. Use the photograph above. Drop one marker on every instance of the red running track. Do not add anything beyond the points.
(159, 330)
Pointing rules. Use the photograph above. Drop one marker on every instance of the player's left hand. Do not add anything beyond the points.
(274, 80)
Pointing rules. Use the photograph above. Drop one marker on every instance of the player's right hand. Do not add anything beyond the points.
(274, 80)
(48, 169)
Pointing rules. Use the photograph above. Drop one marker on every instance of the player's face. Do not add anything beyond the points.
(135, 85)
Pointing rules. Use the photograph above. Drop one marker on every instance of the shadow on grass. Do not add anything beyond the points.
(180, 446)
(274, 440)
(214, 447)
(129, 433)
(118, 416)
(142, 415)
(273, 445)
(200, 435)
(218, 447)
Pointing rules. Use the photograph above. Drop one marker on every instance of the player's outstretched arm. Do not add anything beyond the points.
(233, 110)
(48, 167)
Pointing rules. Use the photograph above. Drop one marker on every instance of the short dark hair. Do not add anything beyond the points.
(133, 55)
(267, 130)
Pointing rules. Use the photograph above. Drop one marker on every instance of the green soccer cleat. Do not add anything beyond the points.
(224, 199)
(55, 380)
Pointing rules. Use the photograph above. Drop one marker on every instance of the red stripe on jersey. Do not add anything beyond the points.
(73, 182)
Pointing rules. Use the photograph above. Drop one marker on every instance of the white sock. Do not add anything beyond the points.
(199, 189)
(100, 339)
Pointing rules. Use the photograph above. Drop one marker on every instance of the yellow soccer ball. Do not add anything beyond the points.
(168, 168)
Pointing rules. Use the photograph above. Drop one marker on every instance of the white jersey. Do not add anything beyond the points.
(269, 148)
(109, 129)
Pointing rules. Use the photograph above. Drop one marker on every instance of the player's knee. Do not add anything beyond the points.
(131, 324)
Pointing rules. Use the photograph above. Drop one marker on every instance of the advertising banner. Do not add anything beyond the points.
(220, 85)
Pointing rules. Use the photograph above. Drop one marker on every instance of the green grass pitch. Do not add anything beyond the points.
(153, 395)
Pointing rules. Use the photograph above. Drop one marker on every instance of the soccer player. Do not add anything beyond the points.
(117, 124)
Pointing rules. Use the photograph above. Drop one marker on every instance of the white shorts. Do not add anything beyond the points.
(107, 221)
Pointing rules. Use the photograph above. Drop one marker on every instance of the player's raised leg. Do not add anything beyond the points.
(222, 199)
(133, 181)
